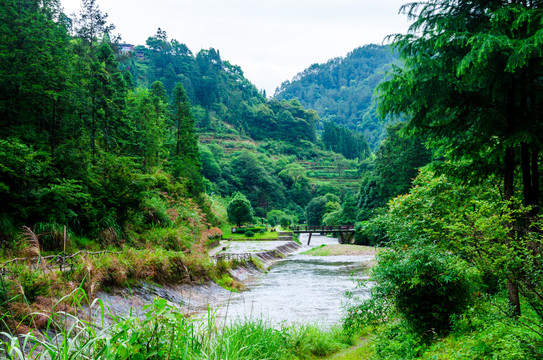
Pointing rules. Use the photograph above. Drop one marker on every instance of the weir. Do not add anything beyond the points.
(265, 256)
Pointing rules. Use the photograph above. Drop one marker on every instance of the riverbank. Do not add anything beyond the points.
(341, 249)
(312, 296)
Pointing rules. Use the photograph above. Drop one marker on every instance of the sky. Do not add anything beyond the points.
(271, 40)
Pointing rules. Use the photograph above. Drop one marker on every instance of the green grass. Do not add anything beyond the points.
(166, 333)
(268, 235)
(484, 331)
(361, 350)
(340, 249)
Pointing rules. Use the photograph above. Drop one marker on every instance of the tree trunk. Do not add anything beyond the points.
(508, 186)
(525, 165)
(508, 189)
(535, 182)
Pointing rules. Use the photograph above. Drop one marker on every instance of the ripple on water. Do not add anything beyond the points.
(301, 288)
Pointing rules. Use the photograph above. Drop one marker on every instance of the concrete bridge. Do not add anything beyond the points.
(346, 232)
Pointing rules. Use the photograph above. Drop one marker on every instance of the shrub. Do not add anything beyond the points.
(285, 221)
(51, 236)
(425, 286)
(371, 233)
(156, 211)
(249, 233)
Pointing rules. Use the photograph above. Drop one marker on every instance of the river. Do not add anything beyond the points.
(300, 288)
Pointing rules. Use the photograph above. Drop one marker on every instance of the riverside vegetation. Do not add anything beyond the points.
(140, 156)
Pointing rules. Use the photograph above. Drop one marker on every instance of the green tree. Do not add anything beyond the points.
(340, 164)
(239, 210)
(293, 172)
(396, 164)
(92, 23)
(470, 86)
(279, 217)
(210, 168)
(111, 92)
(340, 139)
(22, 174)
(315, 211)
(187, 158)
(35, 66)
(99, 83)
(147, 118)
(185, 137)
(256, 180)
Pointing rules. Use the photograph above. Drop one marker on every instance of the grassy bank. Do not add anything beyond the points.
(484, 331)
(341, 249)
(166, 333)
(256, 233)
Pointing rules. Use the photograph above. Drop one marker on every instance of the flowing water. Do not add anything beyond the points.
(301, 288)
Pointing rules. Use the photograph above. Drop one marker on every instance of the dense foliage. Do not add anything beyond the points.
(395, 166)
(469, 228)
(97, 139)
(341, 90)
(340, 139)
(478, 96)
(80, 145)
(248, 143)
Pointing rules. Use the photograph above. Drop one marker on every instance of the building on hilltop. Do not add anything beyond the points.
(125, 49)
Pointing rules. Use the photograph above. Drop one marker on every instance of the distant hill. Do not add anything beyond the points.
(222, 99)
(265, 148)
(341, 90)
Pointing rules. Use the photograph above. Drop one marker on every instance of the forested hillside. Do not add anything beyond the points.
(218, 91)
(106, 142)
(342, 89)
(81, 145)
(249, 143)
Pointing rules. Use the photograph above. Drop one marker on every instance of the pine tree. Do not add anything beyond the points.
(470, 85)
(187, 158)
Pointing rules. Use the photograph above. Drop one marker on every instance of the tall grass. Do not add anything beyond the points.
(165, 332)
(49, 315)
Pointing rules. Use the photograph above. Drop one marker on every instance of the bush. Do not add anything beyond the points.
(371, 233)
(285, 221)
(249, 233)
(254, 229)
(425, 286)
(155, 211)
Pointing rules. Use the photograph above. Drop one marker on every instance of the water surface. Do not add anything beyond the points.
(300, 288)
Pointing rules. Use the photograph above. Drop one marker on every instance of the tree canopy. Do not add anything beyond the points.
(239, 210)
(471, 87)
(342, 90)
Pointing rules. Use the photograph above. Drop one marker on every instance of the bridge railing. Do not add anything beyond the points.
(331, 228)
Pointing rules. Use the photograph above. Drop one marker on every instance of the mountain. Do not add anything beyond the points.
(222, 99)
(248, 142)
(342, 89)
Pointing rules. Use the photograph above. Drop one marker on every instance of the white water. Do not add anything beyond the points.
(300, 288)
